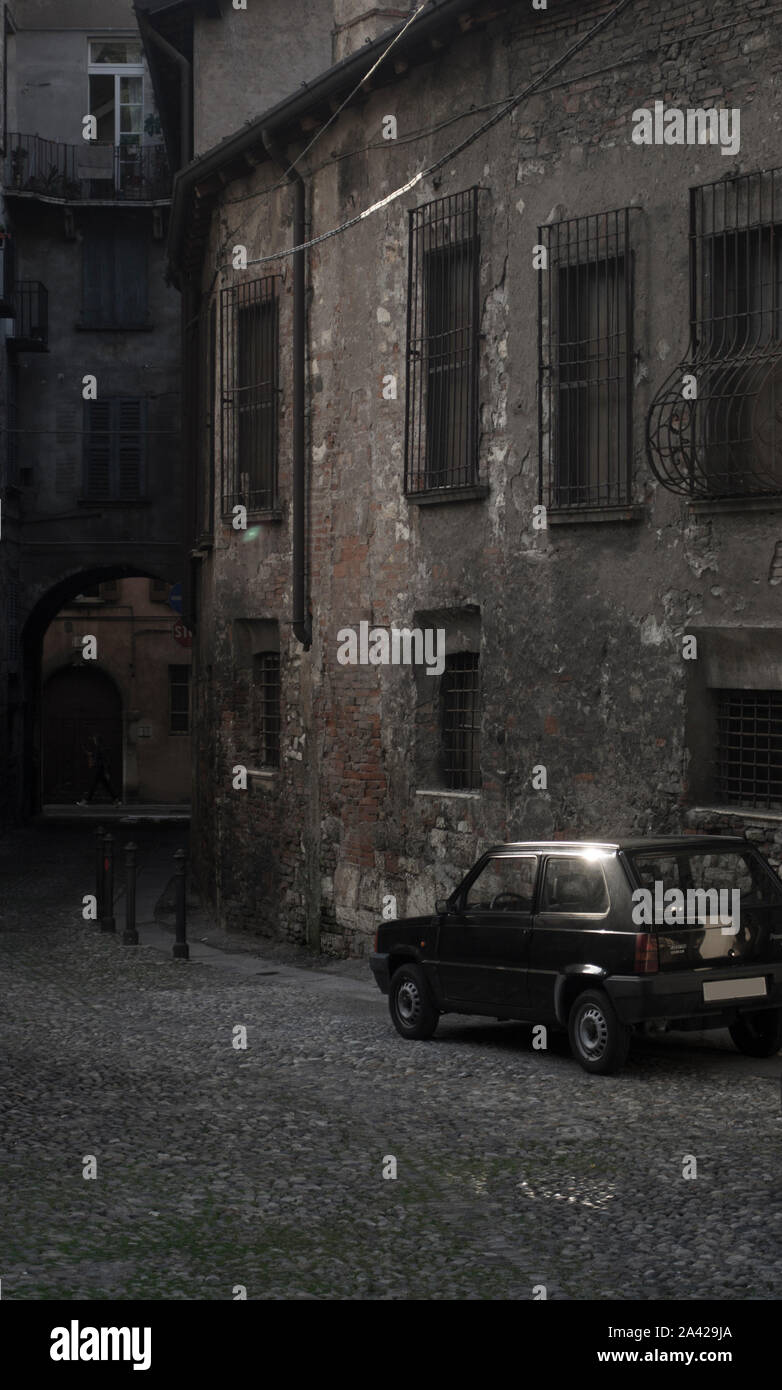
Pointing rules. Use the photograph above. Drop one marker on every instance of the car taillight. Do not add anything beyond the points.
(646, 958)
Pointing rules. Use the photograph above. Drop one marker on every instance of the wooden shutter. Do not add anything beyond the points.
(130, 278)
(130, 448)
(98, 278)
(97, 448)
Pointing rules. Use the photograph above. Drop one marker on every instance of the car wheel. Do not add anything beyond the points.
(758, 1034)
(410, 1004)
(598, 1040)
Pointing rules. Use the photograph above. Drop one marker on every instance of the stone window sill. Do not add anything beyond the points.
(718, 506)
(735, 813)
(438, 791)
(474, 493)
(271, 514)
(577, 516)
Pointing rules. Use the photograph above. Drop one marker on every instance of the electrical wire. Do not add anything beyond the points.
(507, 107)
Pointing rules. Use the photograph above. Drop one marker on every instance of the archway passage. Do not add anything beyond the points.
(78, 704)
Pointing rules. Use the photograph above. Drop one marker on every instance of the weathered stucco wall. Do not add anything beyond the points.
(581, 625)
(248, 60)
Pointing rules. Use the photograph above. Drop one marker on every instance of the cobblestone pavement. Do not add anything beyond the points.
(219, 1167)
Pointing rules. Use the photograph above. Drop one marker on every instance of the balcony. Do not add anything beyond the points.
(31, 317)
(90, 172)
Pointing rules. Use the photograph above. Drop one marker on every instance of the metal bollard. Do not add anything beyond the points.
(130, 935)
(99, 887)
(181, 948)
(107, 922)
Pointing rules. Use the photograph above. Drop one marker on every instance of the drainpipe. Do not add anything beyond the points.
(302, 618)
(185, 85)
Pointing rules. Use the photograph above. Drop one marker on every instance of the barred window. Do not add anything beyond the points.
(737, 243)
(725, 440)
(749, 751)
(441, 436)
(460, 716)
(114, 440)
(266, 684)
(179, 699)
(250, 394)
(585, 340)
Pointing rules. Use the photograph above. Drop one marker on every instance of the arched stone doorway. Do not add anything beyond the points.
(79, 703)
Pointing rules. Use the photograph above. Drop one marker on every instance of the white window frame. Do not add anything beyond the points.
(117, 70)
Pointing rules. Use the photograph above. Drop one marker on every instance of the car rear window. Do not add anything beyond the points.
(696, 868)
(574, 885)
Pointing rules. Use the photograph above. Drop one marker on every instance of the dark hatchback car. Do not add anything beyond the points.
(601, 940)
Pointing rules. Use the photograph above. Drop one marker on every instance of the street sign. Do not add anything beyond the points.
(182, 635)
(175, 598)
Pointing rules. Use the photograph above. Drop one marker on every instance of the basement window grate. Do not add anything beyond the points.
(749, 752)
(266, 681)
(460, 721)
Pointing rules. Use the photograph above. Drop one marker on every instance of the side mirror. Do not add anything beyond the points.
(441, 906)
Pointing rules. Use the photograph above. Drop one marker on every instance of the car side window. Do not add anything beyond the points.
(505, 884)
(574, 885)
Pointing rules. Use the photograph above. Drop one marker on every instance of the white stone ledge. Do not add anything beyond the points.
(464, 796)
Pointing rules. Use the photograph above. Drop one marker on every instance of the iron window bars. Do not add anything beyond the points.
(749, 747)
(441, 423)
(585, 340)
(727, 441)
(249, 364)
(460, 693)
(266, 681)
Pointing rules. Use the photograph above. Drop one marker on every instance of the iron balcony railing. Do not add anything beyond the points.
(31, 316)
(91, 171)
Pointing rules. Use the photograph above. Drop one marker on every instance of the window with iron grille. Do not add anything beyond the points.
(266, 686)
(585, 326)
(460, 715)
(114, 440)
(749, 747)
(179, 699)
(725, 439)
(250, 394)
(12, 450)
(737, 286)
(206, 481)
(441, 434)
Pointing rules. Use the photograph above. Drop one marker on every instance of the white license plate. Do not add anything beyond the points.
(733, 989)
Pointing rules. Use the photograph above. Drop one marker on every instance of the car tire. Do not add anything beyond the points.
(410, 1004)
(598, 1040)
(758, 1034)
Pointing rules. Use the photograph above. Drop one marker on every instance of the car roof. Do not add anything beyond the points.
(635, 844)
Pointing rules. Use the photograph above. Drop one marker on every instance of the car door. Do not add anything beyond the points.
(573, 904)
(483, 946)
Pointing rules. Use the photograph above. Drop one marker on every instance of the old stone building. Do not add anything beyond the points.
(528, 403)
(92, 487)
(135, 696)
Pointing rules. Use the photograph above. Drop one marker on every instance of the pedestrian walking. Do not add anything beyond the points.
(98, 760)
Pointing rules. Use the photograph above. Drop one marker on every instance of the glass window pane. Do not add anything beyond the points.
(131, 90)
(115, 51)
